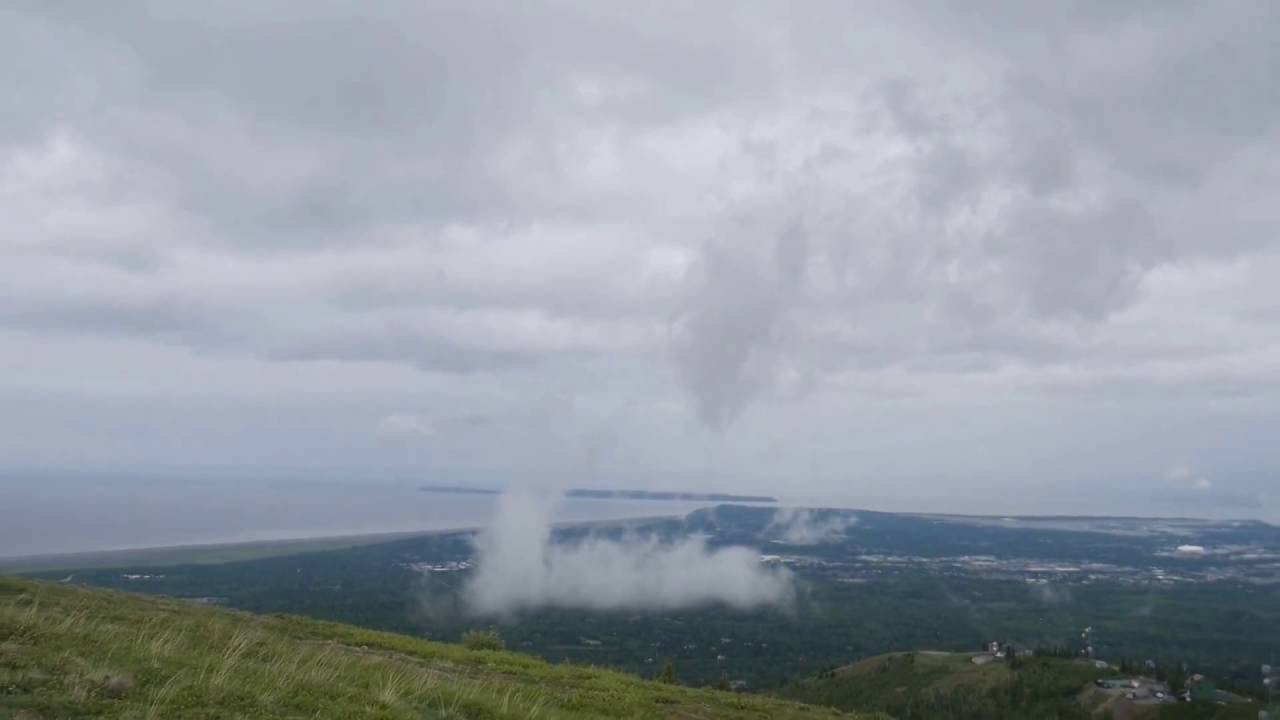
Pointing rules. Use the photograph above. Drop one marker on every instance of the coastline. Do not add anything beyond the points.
(214, 553)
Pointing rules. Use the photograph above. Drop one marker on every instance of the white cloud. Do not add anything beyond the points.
(404, 427)
(521, 568)
(1050, 594)
(1187, 478)
(802, 526)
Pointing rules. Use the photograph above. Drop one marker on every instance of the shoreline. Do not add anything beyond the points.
(220, 552)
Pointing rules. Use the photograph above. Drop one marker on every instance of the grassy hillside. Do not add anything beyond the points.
(948, 685)
(75, 653)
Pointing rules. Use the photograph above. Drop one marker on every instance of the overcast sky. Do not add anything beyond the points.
(947, 256)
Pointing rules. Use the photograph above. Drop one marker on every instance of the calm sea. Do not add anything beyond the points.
(80, 515)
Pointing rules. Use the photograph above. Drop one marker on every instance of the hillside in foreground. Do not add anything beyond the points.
(950, 686)
(70, 652)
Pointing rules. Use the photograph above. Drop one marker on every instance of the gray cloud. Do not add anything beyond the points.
(765, 223)
(726, 339)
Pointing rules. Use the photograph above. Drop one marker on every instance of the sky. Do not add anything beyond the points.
(974, 257)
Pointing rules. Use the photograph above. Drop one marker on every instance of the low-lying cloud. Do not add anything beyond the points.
(801, 526)
(1047, 594)
(520, 568)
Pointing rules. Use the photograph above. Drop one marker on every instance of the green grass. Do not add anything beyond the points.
(68, 652)
(938, 686)
(949, 686)
(1207, 711)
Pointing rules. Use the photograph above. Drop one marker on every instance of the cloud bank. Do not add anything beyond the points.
(795, 241)
(519, 568)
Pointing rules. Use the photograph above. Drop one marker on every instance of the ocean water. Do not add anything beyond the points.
(80, 515)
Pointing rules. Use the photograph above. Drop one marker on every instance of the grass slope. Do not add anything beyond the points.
(948, 686)
(942, 686)
(75, 653)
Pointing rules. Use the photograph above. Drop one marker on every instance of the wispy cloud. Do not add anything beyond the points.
(802, 526)
(404, 427)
